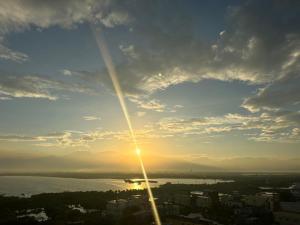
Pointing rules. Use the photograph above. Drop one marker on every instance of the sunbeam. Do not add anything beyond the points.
(113, 75)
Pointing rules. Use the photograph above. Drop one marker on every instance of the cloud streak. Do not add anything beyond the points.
(280, 126)
(33, 86)
(91, 118)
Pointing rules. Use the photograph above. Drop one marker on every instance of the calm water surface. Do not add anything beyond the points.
(30, 185)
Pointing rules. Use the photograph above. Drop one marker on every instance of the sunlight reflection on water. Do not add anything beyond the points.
(29, 185)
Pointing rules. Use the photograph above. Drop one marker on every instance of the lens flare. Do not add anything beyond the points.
(113, 75)
(151, 198)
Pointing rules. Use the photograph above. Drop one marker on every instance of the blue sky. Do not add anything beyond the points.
(205, 81)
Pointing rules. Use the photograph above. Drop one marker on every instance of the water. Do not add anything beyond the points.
(30, 185)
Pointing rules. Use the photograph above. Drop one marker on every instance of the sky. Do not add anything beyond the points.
(209, 85)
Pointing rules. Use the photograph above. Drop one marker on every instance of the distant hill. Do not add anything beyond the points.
(110, 162)
(89, 162)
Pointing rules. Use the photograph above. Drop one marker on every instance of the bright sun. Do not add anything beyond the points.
(138, 151)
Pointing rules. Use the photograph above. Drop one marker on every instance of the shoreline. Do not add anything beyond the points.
(118, 175)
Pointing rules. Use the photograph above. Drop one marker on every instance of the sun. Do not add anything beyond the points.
(138, 151)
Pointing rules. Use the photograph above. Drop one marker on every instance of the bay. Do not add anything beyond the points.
(30, 185)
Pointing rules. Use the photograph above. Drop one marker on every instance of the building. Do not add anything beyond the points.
(295, 190)
(205, 199)
(169, 209)
(183, 199)
(266, 200)
(191, 219)
(287, 218)
(289, 213)
(137, 200)
(116, 207)
(230, 201)
(203, 202)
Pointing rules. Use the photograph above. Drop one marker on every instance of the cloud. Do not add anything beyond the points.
(152, 104)
(280, 126)
(17, 16)
(66, 72)
(259, 45)
(284, 92)
(116, 18)
(129, 51)
(33, 86)
(27, 87)
(91, 118)
(259, 40)
(57, 139)
(262, 45)
(5, 98)
(202, 125)
(8, 54)
(178, 106)
(66, 138)
(33, 138)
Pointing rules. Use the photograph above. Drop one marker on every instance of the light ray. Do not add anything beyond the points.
(113, 75)
(151, 198)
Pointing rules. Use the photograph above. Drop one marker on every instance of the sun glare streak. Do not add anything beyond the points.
(151, 198)
(113, 75)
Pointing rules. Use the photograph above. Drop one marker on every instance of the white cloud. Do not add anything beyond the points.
(66, 72)
(33, 86)
(33, 138)
(115, 18)
(152, 104)
(129, 51)
(17, 16)
(259, 45)
(91, 118)
(5, 98)
(178, 106)
(8, 54)
(283, 92)
(27, 87)
(280, 126)
(256, 47)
